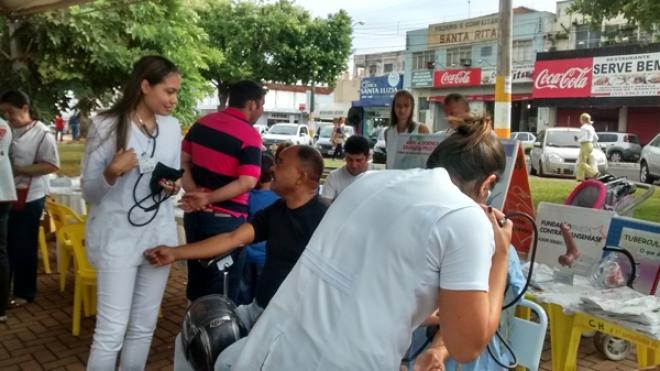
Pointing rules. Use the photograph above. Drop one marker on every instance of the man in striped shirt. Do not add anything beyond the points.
(221, 157)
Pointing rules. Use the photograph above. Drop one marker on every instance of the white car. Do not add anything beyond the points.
(281, 133)
(260, 128)
(649, 163)
(556, 150)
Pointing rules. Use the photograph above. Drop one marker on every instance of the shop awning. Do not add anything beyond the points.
(17, 8)
(483, 98)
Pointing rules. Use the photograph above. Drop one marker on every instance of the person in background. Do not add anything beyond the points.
(456, 109)
(338, 137)
(33, 155)
(222, 162)
(357, 162)
(7, 195)
(124, 145)
(74, 125)
(587, 137)
(59, 127)
(401, 122)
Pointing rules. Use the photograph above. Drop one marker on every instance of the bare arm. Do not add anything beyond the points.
(187, 180)
(39, 169)
(242, 185)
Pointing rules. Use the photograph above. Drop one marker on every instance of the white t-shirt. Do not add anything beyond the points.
(392, 137)
(111, 241)
(7, 188)
(587, 133)
(33, 144)
(371, 273)
(338, 180)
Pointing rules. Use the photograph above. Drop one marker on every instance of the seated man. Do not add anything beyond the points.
(286, 226)
(357, 162)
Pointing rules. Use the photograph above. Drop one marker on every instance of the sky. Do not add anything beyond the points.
(386, 21)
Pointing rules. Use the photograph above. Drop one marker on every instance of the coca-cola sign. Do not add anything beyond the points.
(563, 78)
(462, 77)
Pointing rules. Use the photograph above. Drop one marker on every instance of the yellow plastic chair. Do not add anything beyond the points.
(61, 215)
(43, 250)
(84, 297)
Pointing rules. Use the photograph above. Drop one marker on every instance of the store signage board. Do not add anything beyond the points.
(464, 31)
(457, 77)
(422, 79)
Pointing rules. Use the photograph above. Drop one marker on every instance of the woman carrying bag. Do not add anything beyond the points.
(33, 155)
(128, 147)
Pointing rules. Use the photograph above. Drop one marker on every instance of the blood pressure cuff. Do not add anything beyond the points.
(163, 172)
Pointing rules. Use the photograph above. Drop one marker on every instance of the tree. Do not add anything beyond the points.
(276, 42)
(90, 50)
(644, 12)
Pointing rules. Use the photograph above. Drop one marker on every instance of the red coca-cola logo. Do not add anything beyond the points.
(573, 78)
(565, 78)
(464, 77)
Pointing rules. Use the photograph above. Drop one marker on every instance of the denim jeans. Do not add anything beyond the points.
(204, 280)
(22, 243)
(4, 262)
(75, 131)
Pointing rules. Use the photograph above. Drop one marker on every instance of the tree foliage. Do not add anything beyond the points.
(646, 13)
(89, 51)
(278, 42)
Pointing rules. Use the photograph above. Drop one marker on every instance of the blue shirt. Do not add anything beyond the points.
(259, 199)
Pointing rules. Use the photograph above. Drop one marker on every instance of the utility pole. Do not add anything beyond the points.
(503, 80)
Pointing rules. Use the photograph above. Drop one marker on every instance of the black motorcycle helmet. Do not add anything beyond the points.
(209, 327)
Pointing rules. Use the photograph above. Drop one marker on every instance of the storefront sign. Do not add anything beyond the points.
(632, 75)
(465, 31)
(379, 91)
(570, 78)
(453, 78)
(422, 79)
(626, 75)
(519, 74)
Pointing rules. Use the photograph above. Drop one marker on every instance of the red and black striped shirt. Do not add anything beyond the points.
(224, 146)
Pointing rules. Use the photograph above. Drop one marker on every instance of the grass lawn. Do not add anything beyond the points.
(543, 189)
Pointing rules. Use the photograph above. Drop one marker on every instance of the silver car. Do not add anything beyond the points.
(649, 163)
(556, 150)
(620, 146)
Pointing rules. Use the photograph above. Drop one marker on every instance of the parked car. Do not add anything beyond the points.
(620, 146)
(380, 151)
(526, 139)
(260, 128)
(373, 137)
(556, 150)
(649, 163)
(280, 133)
(323, 141)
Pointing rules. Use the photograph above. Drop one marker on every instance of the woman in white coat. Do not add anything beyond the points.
(7, 195)
(123, 147)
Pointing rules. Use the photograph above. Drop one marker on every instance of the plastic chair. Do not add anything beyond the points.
(43, 250)
(61, 215)
(527, 337)
(84, 297)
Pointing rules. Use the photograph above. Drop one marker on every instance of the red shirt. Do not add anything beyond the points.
(59, 124)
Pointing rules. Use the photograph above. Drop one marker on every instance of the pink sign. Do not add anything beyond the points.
(563, 78)
(462, 77)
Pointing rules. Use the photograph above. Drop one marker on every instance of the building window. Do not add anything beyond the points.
(423, 60)
(586, 37)
(486, 51)
(423, 103)
(455, 55)
(388, 67)
(522, 51)
(372, 70)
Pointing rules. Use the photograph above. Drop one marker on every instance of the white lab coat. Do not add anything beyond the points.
(111, 241)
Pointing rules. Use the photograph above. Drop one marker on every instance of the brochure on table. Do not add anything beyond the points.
(642, 240)
(588, 228)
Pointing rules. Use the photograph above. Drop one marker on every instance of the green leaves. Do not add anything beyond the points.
(646, 13)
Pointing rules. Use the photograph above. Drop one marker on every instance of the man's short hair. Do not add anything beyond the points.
(241, 92)
(311, 161)
(267, 162)
(455, 97)
(357, 144)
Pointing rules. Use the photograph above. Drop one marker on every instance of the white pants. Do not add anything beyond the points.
(127, 311)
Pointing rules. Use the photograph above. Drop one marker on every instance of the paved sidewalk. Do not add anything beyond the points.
(38, 336)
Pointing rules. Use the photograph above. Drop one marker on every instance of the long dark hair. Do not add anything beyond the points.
(18, 99)
(471, 154)
(394, 119)
(152, 68)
